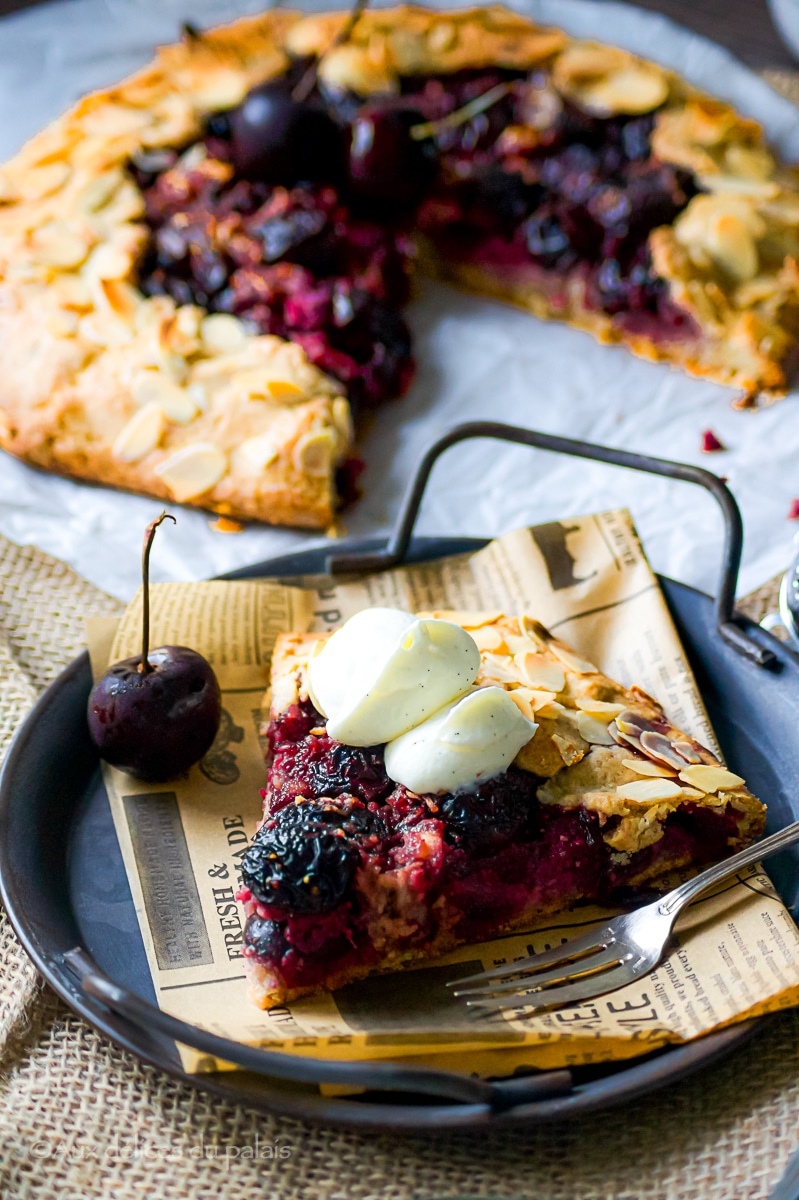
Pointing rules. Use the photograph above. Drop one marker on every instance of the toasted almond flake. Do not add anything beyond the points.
(342, 419)
(733, 247)
(43, 181)
(541, 700)
(104, 329)
(140, 435)
(497, 667)
(313, 453)
(489, 639)
(572, 661)
(155, 387)
(534, 629)
(120, 298)
(634, 89)
(283, 389)
(192, 470)
(689, 793)
(551, 709)
(763, 189)
(442, 36)
(687, 751)
(114, 120)
(569, 751)
(350, 66)
(657, 745)
(221, 333)
(255, 454)
(107, 261)
(58, 245)
(99, 191)
(521, 697)
(711, 779)
(63, 323)
(222, 88)
(470, 620)
(644, 766)
(603, 710)
(539, 671)
(644, 790)
(595, 732)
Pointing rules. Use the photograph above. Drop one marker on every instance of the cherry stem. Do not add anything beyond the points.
(149, 534)
(306, 85)
(461, 115)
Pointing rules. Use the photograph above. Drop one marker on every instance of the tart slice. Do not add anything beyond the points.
(352, 872)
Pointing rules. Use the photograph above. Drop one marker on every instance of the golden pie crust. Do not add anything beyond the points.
(588, 748)
(102, 384)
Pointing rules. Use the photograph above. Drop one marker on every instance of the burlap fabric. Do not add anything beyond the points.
(80, 1119)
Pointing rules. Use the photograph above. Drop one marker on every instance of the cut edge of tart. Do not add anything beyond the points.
(351, 873)
(205, 405)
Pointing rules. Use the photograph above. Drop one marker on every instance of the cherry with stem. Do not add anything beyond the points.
(145, 666)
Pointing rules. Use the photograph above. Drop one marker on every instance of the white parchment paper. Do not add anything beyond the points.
(477, 359)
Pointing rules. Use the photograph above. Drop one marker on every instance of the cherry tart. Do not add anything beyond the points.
(207, 263)
(350, 873)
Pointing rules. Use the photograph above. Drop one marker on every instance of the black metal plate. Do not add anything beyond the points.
(63, 881)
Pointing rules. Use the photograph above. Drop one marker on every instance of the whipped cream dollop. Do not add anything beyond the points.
(462, 745)
(385, 671)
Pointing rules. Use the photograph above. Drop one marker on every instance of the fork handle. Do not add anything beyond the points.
(672, 903)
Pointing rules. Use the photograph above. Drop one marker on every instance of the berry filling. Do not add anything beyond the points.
(349, 869)
(296, 215)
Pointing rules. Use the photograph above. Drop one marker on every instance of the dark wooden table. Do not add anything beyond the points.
(744, 26)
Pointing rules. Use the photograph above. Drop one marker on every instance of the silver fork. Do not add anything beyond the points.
(608, 958)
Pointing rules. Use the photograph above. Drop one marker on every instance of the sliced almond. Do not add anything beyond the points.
(521, 697)
(154, 387)
(687, 751)
(595, 732)
(603, 710)
(572, 661)
(192, 470)
(471, 620)
(497, 668)
(255, 454)
(43, 181)
(141, 434)
(551, 709)
(351, 66)
(689, 793)
(219, 88)
(313, 454)
(342, 419)
(56, 244)
(570, 752)
(542, 700)
(114, 120)
(539, 671)
(643, 766)
(733, 247)
(711, 779)
(645, 790)
(489, 639)
(658, 746)
(283, 389)
(221, 333)
(632, 90)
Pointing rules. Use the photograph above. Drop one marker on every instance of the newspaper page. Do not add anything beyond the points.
(588, 580)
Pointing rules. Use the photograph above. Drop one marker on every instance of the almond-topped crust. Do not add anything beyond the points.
(83, 352)
(598, 745)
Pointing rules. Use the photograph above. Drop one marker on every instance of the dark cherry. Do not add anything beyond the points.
(277, 139)
(302, 860)
(385, 163)
(491, 817)
(156, 714)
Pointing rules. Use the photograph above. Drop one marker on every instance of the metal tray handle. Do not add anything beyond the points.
(427, 1081)
(399, 541)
